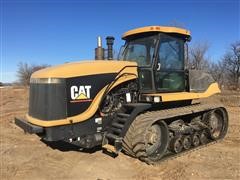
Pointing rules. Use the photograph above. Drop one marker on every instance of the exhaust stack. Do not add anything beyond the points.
(99, 51)
(99, 41)
(110, 40)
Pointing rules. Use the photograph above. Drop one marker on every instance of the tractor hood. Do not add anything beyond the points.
(84, 68)
(73, 92)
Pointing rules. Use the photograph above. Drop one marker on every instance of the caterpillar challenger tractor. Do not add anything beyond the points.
(144, 103)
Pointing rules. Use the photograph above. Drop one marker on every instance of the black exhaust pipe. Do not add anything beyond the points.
(110, 40)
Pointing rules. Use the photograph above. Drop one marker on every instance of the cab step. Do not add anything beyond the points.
(112, 143)
(110, 148)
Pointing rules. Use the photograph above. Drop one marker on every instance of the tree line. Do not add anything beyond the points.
(25, 70)
(226, 71)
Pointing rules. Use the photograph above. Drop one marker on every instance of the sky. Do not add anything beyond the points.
(58, 31)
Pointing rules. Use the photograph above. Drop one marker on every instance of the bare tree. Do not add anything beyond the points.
(217, 70)
(231, 62)
(198, 58)
(25, 71)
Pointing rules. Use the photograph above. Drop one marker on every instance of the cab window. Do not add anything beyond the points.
(171, 56)
(140, 50)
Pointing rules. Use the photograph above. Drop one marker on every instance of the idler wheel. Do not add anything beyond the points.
(156, 140)
(216, 125)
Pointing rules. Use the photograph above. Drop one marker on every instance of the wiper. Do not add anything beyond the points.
(125, 48)
(172, 47)
(122, 52)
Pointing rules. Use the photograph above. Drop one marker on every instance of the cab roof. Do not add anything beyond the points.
(164, 29)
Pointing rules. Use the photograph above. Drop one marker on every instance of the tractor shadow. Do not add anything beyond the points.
(65, 147)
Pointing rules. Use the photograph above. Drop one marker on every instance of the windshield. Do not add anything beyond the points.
(140, 50)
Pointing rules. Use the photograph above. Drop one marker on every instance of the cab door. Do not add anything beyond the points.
(169, 71)
(142, 50)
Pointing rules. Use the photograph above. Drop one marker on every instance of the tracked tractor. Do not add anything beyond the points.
(144, 103)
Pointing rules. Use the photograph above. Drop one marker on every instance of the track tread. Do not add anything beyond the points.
(133, 142)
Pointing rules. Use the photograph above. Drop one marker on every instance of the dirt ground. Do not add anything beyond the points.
(24, 156)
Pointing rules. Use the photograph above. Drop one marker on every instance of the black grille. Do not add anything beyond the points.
(47, 101)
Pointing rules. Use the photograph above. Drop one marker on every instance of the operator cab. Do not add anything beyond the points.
(159, 53)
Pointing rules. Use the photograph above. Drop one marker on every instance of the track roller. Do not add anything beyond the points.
(195, 139)
(204, 137)
(187, 142)
(176, 144)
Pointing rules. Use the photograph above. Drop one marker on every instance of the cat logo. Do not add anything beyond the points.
(80, 94)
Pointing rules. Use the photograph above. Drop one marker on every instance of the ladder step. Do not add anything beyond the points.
(123, 115)
(112, 136)
(121, 120)
(117, 125)
(116, 130)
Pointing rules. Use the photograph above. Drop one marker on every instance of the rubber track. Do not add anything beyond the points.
(133, 142)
